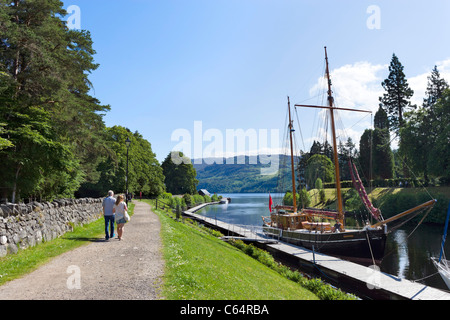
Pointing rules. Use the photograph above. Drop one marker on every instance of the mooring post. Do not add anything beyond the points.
(314, 255)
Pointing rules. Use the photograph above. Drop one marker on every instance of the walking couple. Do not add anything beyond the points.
(114, 210)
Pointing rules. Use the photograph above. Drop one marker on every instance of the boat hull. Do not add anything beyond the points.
(443, 270)
(351, 244)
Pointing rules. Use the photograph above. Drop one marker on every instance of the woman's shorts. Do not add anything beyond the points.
(121, 221)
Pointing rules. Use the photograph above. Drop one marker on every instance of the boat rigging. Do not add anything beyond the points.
(303, 228)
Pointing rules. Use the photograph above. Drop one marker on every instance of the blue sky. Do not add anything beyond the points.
(231, 63)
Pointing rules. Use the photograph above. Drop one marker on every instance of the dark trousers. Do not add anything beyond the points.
(109, 224)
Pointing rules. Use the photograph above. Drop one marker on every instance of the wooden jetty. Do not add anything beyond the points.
(365, 282)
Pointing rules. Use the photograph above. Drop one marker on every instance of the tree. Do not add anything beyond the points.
(346, 151)
(144, 172)
(319, 166)
(148, 172)
(179, 178)
(415, 142)
(324, 149)
(435, 89)
(365, 154)
(316, 148)
(4, 143)
(375, 150)
(395, 101)
(423, 127)
(301, 169)
(383, 158)
(439, 158)
(304, 199)
(54, 127)
(319, 184)
(381, 120)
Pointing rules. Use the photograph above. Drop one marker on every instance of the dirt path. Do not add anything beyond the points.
(130, 269)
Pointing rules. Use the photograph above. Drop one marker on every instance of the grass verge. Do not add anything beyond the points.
(14, 266)
(199, 266)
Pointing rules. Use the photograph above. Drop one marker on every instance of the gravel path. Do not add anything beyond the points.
(130, 269)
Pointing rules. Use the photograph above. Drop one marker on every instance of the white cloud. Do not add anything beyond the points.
(359, 86)
(355, 86)
(419, 85)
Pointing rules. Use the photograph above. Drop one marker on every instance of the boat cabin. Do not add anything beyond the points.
(294, 221)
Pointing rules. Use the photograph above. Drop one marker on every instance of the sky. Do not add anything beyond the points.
(189, 75)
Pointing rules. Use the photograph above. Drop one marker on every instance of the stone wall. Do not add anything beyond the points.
(25, 225)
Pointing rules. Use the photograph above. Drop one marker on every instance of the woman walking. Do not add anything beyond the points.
(119, 209)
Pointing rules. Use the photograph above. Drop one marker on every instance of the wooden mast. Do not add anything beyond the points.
(332, 108)
(291, 130)
(335, 153)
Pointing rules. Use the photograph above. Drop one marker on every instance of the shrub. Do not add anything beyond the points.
(188, 199)
(287, 199)
(319, 184)
(322, 196)
(305, 199)
(198, 199)
(177, 201)
(391, 205)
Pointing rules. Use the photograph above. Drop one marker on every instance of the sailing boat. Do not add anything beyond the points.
(443, 265)
(302, 226)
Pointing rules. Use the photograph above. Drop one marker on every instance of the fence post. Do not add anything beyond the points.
(314, 255)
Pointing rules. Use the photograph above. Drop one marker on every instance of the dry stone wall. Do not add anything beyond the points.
(25, 225)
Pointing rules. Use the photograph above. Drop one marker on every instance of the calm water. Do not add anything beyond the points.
(407, 256)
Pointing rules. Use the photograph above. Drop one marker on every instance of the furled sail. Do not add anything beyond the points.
(358, 185)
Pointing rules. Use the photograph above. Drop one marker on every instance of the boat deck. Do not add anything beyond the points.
(365, 282)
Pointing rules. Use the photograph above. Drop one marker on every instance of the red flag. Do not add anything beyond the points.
(270, 202)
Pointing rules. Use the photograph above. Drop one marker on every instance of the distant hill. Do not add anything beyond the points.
(244, 174)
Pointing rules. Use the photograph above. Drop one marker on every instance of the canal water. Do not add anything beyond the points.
(407, 255)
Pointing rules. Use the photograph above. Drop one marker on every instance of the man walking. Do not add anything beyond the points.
(108, 205)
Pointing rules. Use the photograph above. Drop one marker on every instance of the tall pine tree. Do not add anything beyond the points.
(52, 125)
(395, 101)
(439, 158)
(423, 128)
(375, 149)
(382, 154)
(435, 89)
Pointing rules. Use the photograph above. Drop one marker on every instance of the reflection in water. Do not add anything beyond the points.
(407, 256)
(400, 237)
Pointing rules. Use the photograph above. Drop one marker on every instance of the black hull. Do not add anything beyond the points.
(351, 244)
